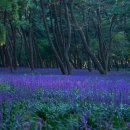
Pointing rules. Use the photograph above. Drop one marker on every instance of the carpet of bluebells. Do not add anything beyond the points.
(46, 100)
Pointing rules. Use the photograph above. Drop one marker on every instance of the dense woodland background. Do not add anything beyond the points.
(65, 34)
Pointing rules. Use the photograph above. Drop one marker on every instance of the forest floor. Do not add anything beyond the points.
(48, 100)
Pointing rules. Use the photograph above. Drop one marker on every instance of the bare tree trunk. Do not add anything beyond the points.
(88, 50)
(50, 40)
(59, 44)
(14, 59)
(68, 42)
(31, 58)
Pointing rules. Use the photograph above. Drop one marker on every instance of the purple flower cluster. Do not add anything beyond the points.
(115, 87)
(76, 90)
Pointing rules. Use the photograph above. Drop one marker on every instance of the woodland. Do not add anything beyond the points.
(64, 64)
(65, 34)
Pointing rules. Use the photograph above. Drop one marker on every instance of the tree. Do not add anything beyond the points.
(60, 44)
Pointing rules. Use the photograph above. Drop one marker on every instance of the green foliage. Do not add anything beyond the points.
(5, 5)
(121, 45)
(18, 13)
(12, 7)
(45, 48)
(4, 87)
(120, 37)
(10, 114)
(14, 11)
(94, 44)
(55, 113)
(58, 116)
